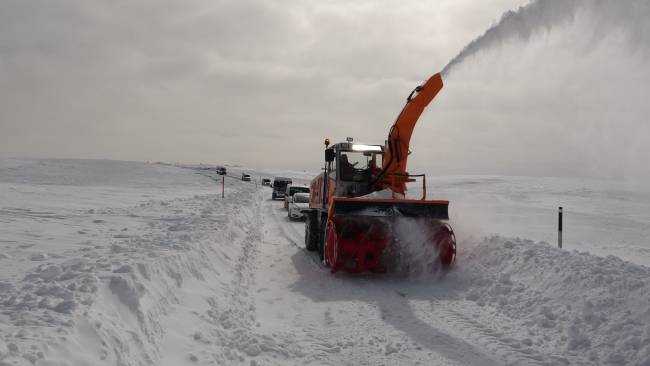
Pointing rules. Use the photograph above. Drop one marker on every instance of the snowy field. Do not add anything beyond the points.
(120, 263)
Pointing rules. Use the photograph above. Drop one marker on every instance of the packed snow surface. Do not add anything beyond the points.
(118, 263)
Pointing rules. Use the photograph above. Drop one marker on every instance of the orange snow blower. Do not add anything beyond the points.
(358, 218)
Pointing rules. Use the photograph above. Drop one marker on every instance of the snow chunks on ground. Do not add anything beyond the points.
(111, 300)
(576, 307)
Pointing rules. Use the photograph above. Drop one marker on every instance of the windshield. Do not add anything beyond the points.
(293, 190)
(354, 165)
(301, 198)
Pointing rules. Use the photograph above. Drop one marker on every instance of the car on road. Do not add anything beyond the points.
(245, 177)
(221, 170)
(291, 190)
(266, 182)
(279, 186)
(299, 201)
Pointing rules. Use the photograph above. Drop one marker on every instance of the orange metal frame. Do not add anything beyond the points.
(397, 150)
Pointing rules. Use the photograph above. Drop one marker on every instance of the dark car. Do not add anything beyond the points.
(221, 170)
(279, 186)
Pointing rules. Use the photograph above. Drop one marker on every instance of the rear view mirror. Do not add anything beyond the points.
(329, 155)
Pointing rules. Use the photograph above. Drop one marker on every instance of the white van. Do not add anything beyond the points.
(291, 190)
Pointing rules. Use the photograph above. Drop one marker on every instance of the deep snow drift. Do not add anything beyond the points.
(117, 263)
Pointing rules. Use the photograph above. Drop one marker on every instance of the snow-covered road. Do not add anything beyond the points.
(349, 320)
(117, 263)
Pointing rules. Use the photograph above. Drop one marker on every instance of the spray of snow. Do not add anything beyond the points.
(418, 256)
(541, 15)
(556, 88)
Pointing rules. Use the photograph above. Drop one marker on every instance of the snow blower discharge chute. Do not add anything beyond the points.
(352, 220)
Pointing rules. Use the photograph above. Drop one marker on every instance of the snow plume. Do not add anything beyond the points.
(542, 15)
(557, 88)
(418, 257)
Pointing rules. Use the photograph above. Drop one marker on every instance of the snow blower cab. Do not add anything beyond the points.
(359, 219)
(354, 166)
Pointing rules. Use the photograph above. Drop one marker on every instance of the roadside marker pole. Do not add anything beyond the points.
(223, 185)
(559, 232)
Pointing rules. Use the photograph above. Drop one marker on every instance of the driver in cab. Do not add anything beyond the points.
(350, 173)
(373, 170)
(347, 170)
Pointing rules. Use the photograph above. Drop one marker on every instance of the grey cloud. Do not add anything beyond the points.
(196, 81)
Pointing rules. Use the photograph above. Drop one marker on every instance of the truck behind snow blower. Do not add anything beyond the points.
(354, 217)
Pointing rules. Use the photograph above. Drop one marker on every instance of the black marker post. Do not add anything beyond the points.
(559, 229)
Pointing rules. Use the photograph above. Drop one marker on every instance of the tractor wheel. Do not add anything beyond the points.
(311, 231)
(331, 246)
(321, 238)
(273, 196)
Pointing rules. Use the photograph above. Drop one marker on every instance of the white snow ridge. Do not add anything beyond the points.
(117, 263)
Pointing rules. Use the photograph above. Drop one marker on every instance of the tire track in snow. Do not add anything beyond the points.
(392, 309)
(330, 335)
(480, 339)
(302, 330)
(497, 342)
(457, 330)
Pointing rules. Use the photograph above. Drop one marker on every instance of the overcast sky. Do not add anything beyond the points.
(262, 83)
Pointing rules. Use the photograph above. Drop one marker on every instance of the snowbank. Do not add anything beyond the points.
(580, 306)
(108, 298)
(138, 273)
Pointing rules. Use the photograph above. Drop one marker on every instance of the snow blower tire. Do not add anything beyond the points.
(321, 238)
(311, 231)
